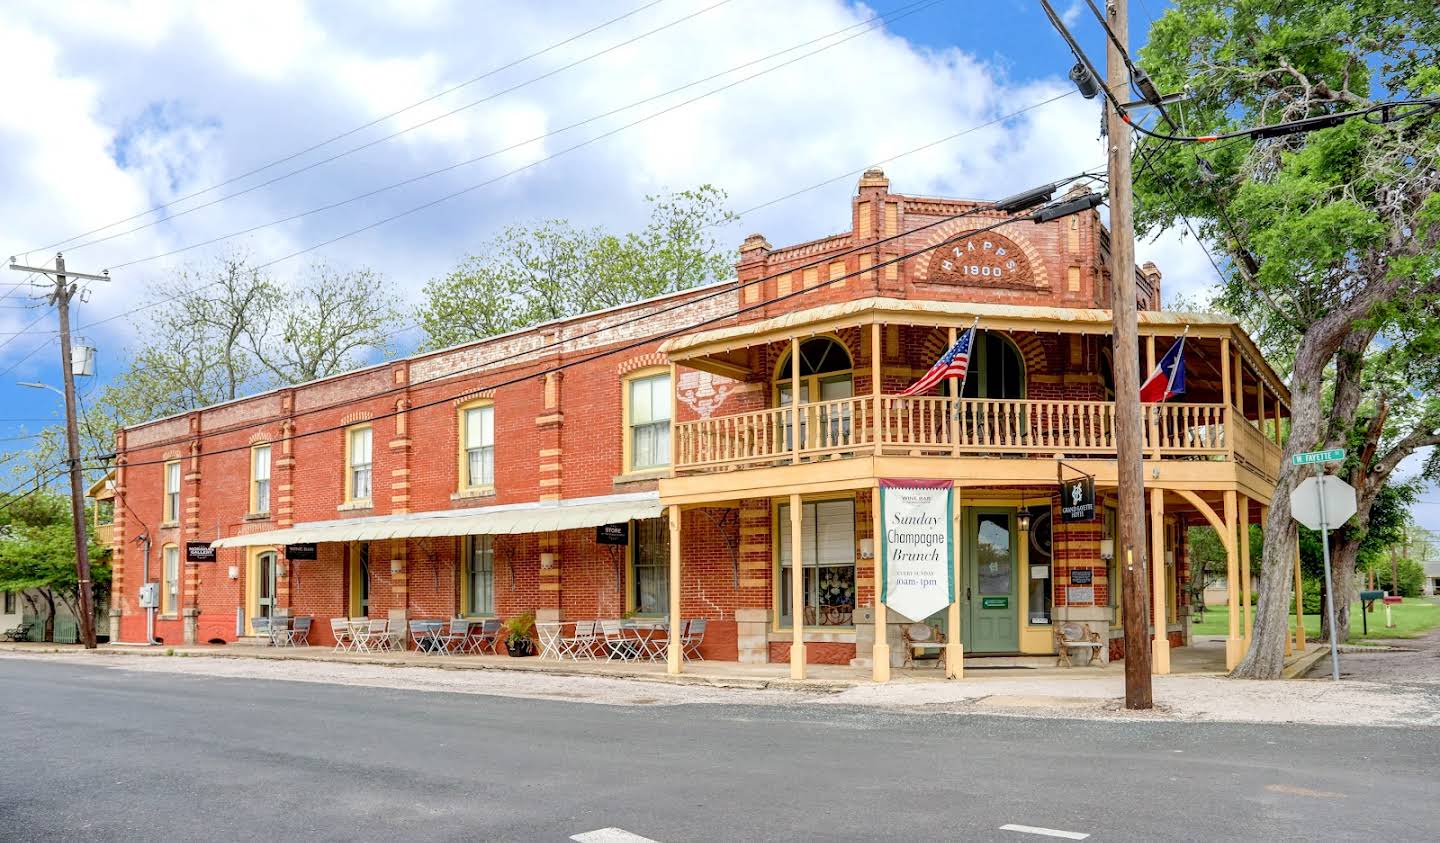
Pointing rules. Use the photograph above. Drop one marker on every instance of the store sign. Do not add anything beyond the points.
(1081, 576)
(916, 551)
(302, 552)
(988, 260)
(1077, 500)
(199, 552)
(613, 534)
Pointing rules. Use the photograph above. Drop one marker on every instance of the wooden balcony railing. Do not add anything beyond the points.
(929, 426)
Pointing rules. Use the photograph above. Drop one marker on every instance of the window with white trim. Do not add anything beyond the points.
(827, 539)
(360, 463)
(260, 479)
(480, 576)
(169, 579)
(650, 566)
(480, 446)
(649, 422)
(172, 491)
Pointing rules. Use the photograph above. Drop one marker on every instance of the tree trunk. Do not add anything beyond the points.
(48, 634)
(1343, 554)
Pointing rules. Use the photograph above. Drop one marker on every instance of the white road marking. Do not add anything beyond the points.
(609, 835)
(1044, 832)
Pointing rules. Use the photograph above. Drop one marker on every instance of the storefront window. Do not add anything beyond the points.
(650, 556)
(1041, 564)
(480, 576)
(827, 537)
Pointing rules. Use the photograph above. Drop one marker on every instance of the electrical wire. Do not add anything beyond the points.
(292, 156)
(647, 340)
(870, 25)
(720, 290)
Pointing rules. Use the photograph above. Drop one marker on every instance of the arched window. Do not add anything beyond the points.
(996, 368)
(825, 375)
(818, 356)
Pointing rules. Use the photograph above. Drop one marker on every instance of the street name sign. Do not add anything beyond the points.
(1338, 503)
(1313, 457)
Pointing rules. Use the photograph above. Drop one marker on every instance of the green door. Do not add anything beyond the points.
(992, 605)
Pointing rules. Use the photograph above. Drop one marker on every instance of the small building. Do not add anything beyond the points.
(724, 437)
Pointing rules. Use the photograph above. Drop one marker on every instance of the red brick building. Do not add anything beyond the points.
(471, 481)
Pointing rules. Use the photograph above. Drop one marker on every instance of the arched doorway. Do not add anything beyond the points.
(997, 369)
(826, 374)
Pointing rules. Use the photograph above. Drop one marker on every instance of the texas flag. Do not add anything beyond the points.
(1168, 379)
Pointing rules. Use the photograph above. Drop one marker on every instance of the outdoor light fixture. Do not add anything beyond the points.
(234, 572)
(867, 548)
(1085, 81)
(1022, 519)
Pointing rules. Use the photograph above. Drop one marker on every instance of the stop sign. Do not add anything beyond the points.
(1339, 501)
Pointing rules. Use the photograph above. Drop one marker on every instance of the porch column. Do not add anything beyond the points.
(880, 653)
(954, 649)
(1299, 602)
(1152, 413)
(1234, 646)
(795, 427)
(1245, 566)
(1229, 409)
(877, 350)
(673, 652)
(1160, 645)
(797, 581)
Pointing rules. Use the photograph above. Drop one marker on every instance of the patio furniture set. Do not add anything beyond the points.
(284, 631)
(622, 640)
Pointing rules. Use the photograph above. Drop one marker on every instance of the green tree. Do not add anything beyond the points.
(1331, 236)
(551, 270)
(37, 554)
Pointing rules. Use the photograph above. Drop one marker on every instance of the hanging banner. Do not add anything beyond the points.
(1077, 500)
(916, 554)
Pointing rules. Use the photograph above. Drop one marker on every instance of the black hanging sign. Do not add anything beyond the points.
(199, 552)
(613, 534)
(1081, 576)
(307, 552)
(1077, 499)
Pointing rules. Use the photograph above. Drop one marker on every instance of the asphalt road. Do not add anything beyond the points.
(104, 754)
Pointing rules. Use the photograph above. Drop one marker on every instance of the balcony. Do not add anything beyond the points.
(943, 427)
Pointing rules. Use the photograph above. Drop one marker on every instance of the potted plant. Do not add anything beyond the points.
(517, 635)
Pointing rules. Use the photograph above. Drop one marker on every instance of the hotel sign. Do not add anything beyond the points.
(916, 550)
(1077, 500)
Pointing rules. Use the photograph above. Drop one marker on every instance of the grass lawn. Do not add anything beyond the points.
(1413, 618)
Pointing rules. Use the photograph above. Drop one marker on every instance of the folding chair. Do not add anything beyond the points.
(340, 628)
(422, 635)
(581, 643)
(692, 639)
(299, 633)
(261, 626)
(482, 635)
(617, 644)
(453, 640)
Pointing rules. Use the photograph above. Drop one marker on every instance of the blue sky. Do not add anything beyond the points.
(159, 98)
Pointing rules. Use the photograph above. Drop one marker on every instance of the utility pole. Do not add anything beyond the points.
(60, 298)
(1129, 467)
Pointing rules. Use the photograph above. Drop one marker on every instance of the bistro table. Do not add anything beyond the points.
(550, 633)
(427, 636)
(644, 632)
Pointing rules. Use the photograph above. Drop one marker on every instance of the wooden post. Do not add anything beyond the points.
(877, 350)
(797, 584)
(795, 426)
(1299, 602)
(1240, 384)
(674, 654)
(1129, 454)
(1160, 643)
(1245, 566)
(1229, 418)
(1277, 422)
(950, 421)
(954, 648)
(1234, 646)
(880, 653)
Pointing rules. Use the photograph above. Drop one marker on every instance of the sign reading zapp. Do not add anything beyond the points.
(917, 577)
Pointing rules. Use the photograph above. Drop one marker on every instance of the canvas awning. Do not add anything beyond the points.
(507, 519)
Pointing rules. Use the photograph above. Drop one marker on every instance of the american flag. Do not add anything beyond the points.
(952, 364)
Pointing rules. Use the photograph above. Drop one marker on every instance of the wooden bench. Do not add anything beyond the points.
(1076, 636)
(920, 640)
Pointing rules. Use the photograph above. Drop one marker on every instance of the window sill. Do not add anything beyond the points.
(169, 525)
(351, 506)
(642, 475)
(471, 494)
(257, 516)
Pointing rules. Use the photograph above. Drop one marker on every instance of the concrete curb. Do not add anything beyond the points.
(1300, 665)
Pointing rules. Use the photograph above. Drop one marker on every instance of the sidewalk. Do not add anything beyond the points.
(1045, 692)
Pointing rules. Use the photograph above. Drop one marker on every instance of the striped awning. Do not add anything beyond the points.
(507, 519)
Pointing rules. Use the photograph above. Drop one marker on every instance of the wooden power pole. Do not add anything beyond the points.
(65, 289)
(1129, 466)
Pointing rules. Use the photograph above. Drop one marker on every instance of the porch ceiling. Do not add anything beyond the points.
(724, 351)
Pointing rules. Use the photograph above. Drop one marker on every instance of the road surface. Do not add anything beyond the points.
(106, 754)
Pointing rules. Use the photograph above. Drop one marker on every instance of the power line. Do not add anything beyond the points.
(337, 156)
(647, 339)
(292, 156)
(455, 194)
(870, 25)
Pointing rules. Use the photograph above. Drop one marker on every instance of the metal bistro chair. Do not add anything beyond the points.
(261, 628)
(299, 633)
(422, 635)
(453, 640)
(371, 636)
(485, 633)
(692, 639)
(581, 643)
(551, 646)
(340, 629)
(617, 644)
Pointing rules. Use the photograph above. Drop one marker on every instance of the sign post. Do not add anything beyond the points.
(1320, 503)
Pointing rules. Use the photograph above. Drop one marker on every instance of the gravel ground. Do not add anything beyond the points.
(1412, 702)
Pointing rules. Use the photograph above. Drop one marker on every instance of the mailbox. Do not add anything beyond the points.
(1392, 599)
(1368, 596)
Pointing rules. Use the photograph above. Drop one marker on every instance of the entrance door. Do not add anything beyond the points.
(992, 605)
(265, 573)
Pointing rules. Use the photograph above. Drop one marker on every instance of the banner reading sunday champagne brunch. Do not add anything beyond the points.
(917, 579)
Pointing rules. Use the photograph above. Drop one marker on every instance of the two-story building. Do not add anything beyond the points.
(740, 431)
